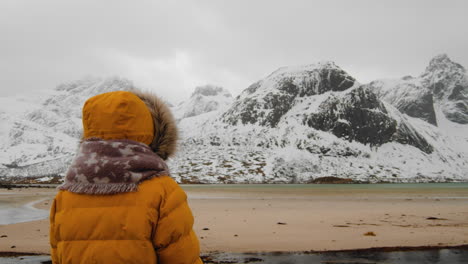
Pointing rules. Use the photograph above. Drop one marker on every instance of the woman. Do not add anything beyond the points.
(118, 203)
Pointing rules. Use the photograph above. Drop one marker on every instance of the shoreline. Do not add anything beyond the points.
(318, 181)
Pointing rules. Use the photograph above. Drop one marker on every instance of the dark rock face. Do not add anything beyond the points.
(460, 116)
(252, 110)
(459, 111)
(279, 105)
(444, 83)
(268, 110)
(453, 96)
(329, 79)
(332, 180)
(459, 97)
(406, 134)
(359, 115)
(448, 81)
(338, 80)
(422, 108)
(409, 98)
(458, 93)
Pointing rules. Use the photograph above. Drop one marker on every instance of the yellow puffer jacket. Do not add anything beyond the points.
(152, 225)
(145, 219)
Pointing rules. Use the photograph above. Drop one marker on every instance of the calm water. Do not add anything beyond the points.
(25, 213)
(383, 186)
(400, 191)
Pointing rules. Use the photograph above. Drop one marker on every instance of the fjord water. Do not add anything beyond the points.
(394, 190)
(451, 185)
(21, 208)
(24, 213)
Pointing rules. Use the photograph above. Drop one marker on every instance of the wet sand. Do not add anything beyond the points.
(427, 256)
(271, 218)
(457, 255)
(31, 236)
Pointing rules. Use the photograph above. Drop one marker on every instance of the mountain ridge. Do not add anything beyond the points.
(296, 125)
(443, 84)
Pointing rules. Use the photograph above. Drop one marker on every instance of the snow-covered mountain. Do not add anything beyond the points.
(443, 85)
(294, 126)
(408, 95)
(43, 137)
(302, 123)
(448, 82)
(325, 98)
(439, 96)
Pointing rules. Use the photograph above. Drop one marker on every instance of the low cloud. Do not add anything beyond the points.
(172, 46)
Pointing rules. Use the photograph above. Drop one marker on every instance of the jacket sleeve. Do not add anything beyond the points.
(174, 239)
(52, 238)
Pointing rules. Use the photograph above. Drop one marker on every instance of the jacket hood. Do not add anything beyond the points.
(134, 115)
(117, 115)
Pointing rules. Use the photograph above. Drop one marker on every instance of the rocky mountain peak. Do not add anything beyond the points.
(443, 85)
(448, 81)
(268, 100)
(294, 126)
(442, 63)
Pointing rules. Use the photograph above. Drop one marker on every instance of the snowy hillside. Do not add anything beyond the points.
(303, 123)
(11, 110)
(266, 101)
(47, 131)
(296, 125)
(439, 96)
(443, 85)
(408, 95)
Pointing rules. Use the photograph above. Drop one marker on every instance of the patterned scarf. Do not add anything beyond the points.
(112, 166)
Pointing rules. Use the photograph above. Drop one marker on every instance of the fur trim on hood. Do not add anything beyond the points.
(165, 129)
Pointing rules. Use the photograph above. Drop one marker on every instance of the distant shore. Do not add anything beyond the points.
(296, 218)
(55, 180)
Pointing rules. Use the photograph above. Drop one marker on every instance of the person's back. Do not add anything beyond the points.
(118, 203)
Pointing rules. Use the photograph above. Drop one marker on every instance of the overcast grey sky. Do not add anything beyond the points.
(173, 46)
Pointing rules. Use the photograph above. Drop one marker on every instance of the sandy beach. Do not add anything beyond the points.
(274, 218)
